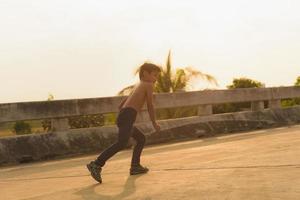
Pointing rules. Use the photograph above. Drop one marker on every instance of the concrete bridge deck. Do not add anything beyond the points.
(263, 164)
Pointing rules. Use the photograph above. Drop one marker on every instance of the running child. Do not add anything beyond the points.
(128, 109)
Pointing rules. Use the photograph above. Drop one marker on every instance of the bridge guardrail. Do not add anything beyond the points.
(59, 110)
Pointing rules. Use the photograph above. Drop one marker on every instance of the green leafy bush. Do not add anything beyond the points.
(22, 128)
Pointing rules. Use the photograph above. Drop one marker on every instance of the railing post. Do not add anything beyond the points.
(257, 105)
(60, 124)
(205, 110)
(142, 116)
(273, 104)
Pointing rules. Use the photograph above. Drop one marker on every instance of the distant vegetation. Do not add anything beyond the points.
(22, 128)
(294, 101)
(236, 107)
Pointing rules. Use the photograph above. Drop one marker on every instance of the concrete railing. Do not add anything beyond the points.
(59, 110)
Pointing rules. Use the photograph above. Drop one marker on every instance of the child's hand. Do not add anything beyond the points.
(156, 126)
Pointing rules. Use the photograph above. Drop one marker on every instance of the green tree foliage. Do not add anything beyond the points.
(170, 80)
(293, 101)
(235, 107)
(21, 128)
(297, 83)
(245, 83)
(178, 80)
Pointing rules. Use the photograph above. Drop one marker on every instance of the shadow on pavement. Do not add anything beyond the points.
(89, 193)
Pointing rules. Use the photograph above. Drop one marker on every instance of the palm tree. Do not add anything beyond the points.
(178, 81)
(168, 81)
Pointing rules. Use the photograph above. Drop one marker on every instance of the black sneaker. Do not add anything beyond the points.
(138, 169)
(95, 171)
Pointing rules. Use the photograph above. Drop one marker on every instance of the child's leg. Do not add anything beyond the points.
(140, 139)
(123, 137)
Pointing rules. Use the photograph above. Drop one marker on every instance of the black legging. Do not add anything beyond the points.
(125, 121)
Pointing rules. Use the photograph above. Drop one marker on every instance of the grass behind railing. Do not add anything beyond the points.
(6, 129)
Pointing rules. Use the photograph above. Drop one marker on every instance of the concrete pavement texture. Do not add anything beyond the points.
(262, 164)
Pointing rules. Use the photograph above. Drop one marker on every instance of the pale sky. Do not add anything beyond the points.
(90, 48)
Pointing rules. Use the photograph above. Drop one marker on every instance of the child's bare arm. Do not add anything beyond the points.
(150, 106)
